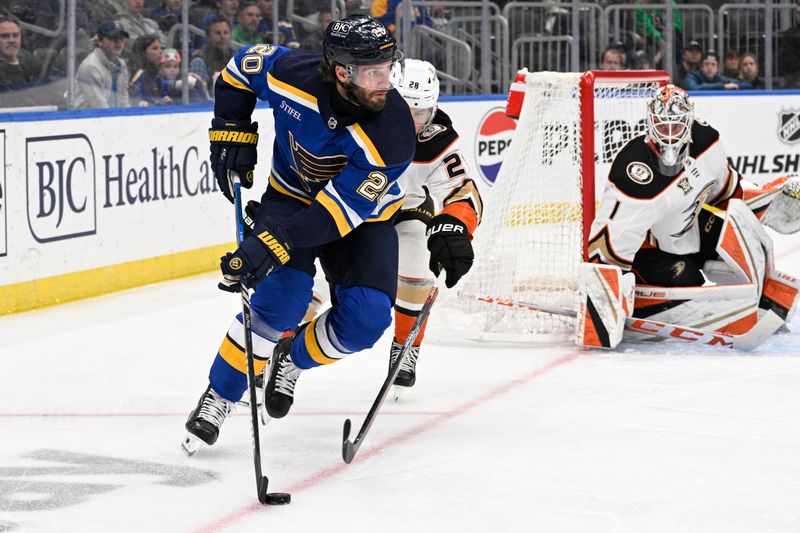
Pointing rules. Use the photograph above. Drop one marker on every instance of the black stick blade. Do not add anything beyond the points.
(348, 450)
(263, 486)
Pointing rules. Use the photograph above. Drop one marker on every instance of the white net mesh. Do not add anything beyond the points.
(530, 242)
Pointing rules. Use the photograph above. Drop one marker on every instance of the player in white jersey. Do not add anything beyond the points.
(675, 214)
(436, 183)
(441, 210)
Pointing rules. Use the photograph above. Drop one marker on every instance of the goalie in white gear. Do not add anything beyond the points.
(442, 208)
(679, 218)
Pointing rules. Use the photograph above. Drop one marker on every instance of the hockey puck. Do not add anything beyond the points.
(278, 498)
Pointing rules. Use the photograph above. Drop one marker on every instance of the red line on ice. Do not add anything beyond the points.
(327, 473)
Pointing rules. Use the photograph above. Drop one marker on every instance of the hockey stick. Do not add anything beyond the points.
(763, 329)
(350, 449)
(262, 482)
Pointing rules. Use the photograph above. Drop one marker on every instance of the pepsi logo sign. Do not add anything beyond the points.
(495, 131)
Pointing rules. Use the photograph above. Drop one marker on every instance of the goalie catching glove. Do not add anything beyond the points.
(234, 146)
(783, 213)
(450, 248)
(259, 254)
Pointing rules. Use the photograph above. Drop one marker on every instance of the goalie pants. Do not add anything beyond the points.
(363, 268)
(657, 267)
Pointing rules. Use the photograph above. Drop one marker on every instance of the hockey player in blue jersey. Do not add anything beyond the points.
(342, 138)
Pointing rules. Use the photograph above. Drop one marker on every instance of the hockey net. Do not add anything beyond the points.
(538, 214)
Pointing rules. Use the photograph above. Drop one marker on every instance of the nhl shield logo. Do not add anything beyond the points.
(789, 126)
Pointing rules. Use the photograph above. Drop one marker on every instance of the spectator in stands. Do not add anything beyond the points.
(103, 76)
(650, 25)
(215, 54)
(789, 52)
(248, 19)
(357, 6)
(384, 11)
(99, 11)
(642, 61)
(708, 77)
(748, 70)
(167, 15)
(169, 77)
(225, 8)
(145, 61)
(313, 41)
(691, 56)
(18, 70)
(730, 65)
(135, 24)
(612, 59)
(286, 35)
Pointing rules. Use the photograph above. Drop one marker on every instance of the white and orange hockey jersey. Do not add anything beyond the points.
(641, 206)
(438, 178)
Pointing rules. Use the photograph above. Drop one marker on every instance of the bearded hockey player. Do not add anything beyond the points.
(683, 227)
(342, 139)
(441, 210)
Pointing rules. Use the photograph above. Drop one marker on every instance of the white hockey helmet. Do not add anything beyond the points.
(417, 83)
(670, 114)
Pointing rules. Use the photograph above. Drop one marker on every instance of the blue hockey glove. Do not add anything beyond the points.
(450, 247)
(233, 147)
(259, 254)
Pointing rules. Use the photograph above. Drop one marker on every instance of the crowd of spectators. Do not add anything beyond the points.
(127, 49)
(697, 69)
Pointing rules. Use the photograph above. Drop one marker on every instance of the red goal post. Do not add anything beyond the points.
(589, 82)
(539, 212)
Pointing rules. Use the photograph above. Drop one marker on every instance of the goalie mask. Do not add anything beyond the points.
(417, 83)
(670, 114)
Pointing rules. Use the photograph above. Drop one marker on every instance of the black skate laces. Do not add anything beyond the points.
(215, 408)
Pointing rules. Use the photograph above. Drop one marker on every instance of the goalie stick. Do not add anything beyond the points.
(350, 449)
(764, 328)
(262, 482)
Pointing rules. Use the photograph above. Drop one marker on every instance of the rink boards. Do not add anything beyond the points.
(96, 201)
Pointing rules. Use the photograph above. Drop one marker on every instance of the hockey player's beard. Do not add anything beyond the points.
(372, 100)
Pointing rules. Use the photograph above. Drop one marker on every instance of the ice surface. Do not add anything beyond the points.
(649, 438)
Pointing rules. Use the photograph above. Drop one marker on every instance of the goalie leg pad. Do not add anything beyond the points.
(780, 295)
(725, 308)
(745, 246)
(606, 300)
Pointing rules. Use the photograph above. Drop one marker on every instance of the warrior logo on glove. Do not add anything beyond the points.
(235, 263)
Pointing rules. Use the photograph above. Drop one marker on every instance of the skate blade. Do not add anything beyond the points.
(397, 391)
(191, 444)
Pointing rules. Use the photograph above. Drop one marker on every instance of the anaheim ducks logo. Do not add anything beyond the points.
(430, 131)
(640, 173)
(235, 263)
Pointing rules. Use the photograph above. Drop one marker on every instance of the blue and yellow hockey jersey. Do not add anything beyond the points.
(344, 167)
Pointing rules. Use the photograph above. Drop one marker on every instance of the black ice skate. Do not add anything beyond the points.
(206, 419)
(283, 374)
(407, 375)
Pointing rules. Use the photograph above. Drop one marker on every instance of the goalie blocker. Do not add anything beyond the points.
(746, 286)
